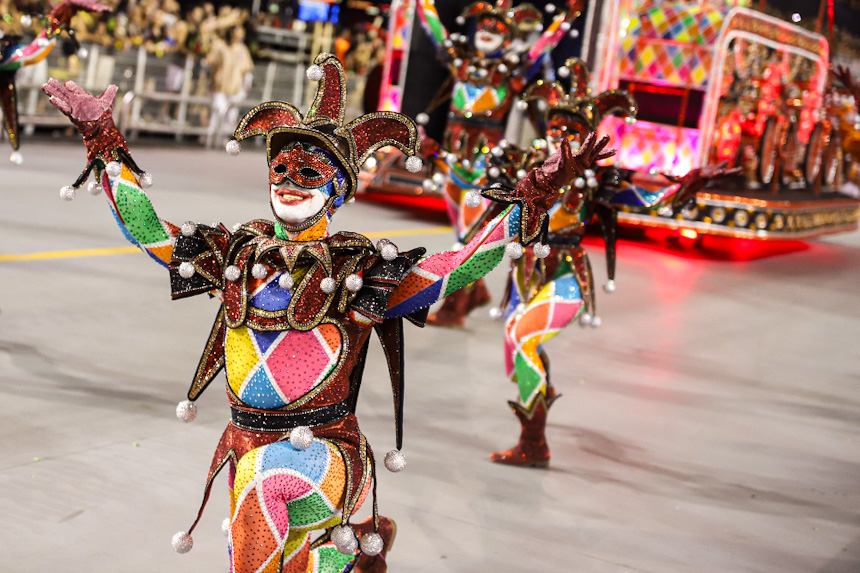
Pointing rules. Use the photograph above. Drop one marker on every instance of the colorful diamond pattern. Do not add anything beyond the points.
(644, 146)
(671, 43)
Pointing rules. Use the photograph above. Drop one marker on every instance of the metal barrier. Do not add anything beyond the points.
(169, 94)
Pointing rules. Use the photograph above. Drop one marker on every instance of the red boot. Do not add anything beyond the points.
(459, 304)
(375, 563)
(532, 449)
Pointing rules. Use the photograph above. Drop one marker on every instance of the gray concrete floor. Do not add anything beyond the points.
(711, 425)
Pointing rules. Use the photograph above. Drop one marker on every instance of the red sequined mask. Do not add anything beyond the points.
(304, 168)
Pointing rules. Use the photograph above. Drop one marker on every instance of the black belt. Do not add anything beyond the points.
(278, 421)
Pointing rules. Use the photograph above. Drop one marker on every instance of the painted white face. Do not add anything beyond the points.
(488, 42)
(294, 206)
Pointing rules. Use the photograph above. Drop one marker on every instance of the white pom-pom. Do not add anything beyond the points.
(460, 20)
(494, 171)
(592, 182)
(186, 270)
(521, 173)
(541, 250)
(457, 62)
(579, 182)
(328, 285)
(114, 169)
(370, 162)
(414, 164)
(584, 319)
(550, 8)
(259, 271)
(16, 158)
(472, 198)
(186, 411)
(315, 73)
(422, 118)
(389, 251)
(286, 281)
(498, 151)
(354, 283)
(343, 538)
(438, 178)
(630, 120)
(371, 544)
(609, 287)
(395, 461)
(301, 438)
(67, 193)
(94, 188)
(428, 185)
(146, 180)
(188, 228)
(588, 173)
(596, 322)
(503, 69)
(233, 148)
(182, 542)
(225, 526)
(232, 273)
(496, 313)
(563, 72)
(514, 250)
(522, 105)
(26, 20)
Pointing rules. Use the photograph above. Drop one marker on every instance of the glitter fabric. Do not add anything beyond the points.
(294, 350)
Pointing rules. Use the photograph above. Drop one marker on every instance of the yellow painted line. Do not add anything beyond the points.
(69, 254)
(444, 229)
(78, 253)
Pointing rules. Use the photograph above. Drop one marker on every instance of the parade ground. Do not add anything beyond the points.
(712, 424)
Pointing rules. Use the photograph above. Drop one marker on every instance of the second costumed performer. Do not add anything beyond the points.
(298, 307)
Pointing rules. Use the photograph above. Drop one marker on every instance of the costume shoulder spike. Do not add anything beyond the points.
(375, 130)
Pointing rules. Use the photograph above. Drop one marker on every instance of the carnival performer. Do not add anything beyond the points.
(14, 56)
(551, 284)
(843, 74)
(298, 307)
(488, 72)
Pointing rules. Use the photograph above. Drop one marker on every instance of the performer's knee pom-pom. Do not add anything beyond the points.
(371, 544)
(395, 460)
(343, 538)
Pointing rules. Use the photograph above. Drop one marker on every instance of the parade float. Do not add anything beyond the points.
(718, 82)
(715, 81)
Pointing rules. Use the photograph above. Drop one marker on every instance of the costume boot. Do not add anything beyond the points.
(459, 304)
(375, 563)
(532, 449)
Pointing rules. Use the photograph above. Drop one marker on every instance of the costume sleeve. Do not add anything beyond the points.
(553, 34)
(431, 23)
(636, 197)
(135, 215)
(435, 277)
(203, 250)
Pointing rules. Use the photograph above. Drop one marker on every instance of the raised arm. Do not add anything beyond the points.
(680, 193)
(431, 23)
(522, 222)
(115, 172)
(553, 34)
(38, 49)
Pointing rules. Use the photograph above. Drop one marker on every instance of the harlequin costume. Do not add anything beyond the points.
(552, 284)
(14, 56)
(485, 86)
(298, 307)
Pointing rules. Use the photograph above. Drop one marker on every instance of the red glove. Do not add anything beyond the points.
(92, 116)
(63, 12)
(540, 189)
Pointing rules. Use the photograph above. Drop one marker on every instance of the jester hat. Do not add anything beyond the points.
(350, 144)
(575, 112)
(522, 18)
